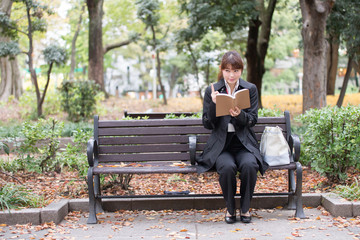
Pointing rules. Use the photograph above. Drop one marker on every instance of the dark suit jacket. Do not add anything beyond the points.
(243, 124)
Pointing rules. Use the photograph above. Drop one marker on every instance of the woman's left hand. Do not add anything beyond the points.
(235, 112)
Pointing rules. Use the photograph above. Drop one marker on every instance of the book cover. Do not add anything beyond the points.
(224, 102)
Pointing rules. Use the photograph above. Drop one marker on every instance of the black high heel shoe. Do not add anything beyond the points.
(230, 219)
(245, 219)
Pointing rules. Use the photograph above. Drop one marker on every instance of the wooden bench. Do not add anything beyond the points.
(169, 146)
(156, 115)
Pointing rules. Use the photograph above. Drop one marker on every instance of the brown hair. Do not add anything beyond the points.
(233, 59)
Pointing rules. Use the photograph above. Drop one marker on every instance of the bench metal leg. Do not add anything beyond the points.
(291, 188)
(92, 204)
(97, 193)
(298, 192)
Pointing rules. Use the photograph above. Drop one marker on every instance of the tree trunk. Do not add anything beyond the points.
(332, 57)
(96, 55)
(73, 45)
(196, 69)
(345, 83)
(259, 43)
(252, 57)
(314, 15)
(31, 61)
(11, 83)
(173, 76)
(158, 67)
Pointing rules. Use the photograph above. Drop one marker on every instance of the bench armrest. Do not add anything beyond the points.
(92, 152)
(192, 148)
(294, 144)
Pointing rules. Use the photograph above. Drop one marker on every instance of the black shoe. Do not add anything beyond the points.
(245, 219)
(230, 219)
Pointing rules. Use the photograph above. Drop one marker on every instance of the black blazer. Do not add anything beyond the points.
(243, 124)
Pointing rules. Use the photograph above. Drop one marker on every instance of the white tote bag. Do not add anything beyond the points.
(273, 147)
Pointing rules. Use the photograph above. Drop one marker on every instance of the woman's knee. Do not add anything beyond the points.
(249, 165)
(229, 168)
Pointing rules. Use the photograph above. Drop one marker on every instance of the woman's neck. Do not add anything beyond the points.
(232, 86)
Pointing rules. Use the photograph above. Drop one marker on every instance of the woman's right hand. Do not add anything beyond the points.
(213, 93)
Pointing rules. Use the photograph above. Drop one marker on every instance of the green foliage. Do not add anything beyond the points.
(8, 26)
(55, 54)
(74, 157)
(267, 112)
(350, 192)
(205, 15)
(5, 147)
(78, 99)
(148, 11)
(70, 128)
(331, 140)
(14, 196)
(137, 118)
(38, 149)
(27, 102)
(9, 49)
(344, 21)
(182, 116)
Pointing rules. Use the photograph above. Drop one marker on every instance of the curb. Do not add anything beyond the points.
(56, 211)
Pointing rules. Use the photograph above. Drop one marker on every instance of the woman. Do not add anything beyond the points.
(232, 146)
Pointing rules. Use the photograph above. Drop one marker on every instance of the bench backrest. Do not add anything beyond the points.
(156, 115)
(161, 139)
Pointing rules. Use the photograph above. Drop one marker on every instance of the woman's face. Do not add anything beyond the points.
(231, 75)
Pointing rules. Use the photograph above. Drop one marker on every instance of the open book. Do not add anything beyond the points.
(224, 102)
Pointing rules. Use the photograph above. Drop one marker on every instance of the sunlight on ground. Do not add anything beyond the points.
(293, 103)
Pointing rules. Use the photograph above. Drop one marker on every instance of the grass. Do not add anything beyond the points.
(14, 196)
(350, 192)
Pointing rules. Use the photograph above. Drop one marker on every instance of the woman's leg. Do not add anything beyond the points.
(226, 168)
(248, 168)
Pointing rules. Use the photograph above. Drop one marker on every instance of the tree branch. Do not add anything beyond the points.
(117, 45)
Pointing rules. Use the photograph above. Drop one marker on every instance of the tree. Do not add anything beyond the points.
(11, 83)
(346, 14)
(232, 16)
(258, 43)
(73, 43)
(96, 51)
(52, 54)
(148, 12)
(314, 14)
(34, 22)
(96, 48)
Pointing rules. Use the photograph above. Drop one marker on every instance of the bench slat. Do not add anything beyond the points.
(161, 167)
(150, 122)
(152, 131)
(144, 148)
(144, 157)
(143, 140)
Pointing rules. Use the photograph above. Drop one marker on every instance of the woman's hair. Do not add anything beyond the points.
(233, 59)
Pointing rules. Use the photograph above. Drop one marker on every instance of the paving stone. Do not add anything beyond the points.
(336, 205)
(12, 217)
(55, 212)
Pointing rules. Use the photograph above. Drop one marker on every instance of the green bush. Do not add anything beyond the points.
(182, 116)
(14, 196)
(71, 127)
(74, 157)
(331, 140)
(28, 104)
(38, 149)
(267, 112)
(78, 99)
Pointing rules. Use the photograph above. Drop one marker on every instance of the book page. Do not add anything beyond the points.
(225, 102)
(242, 99)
